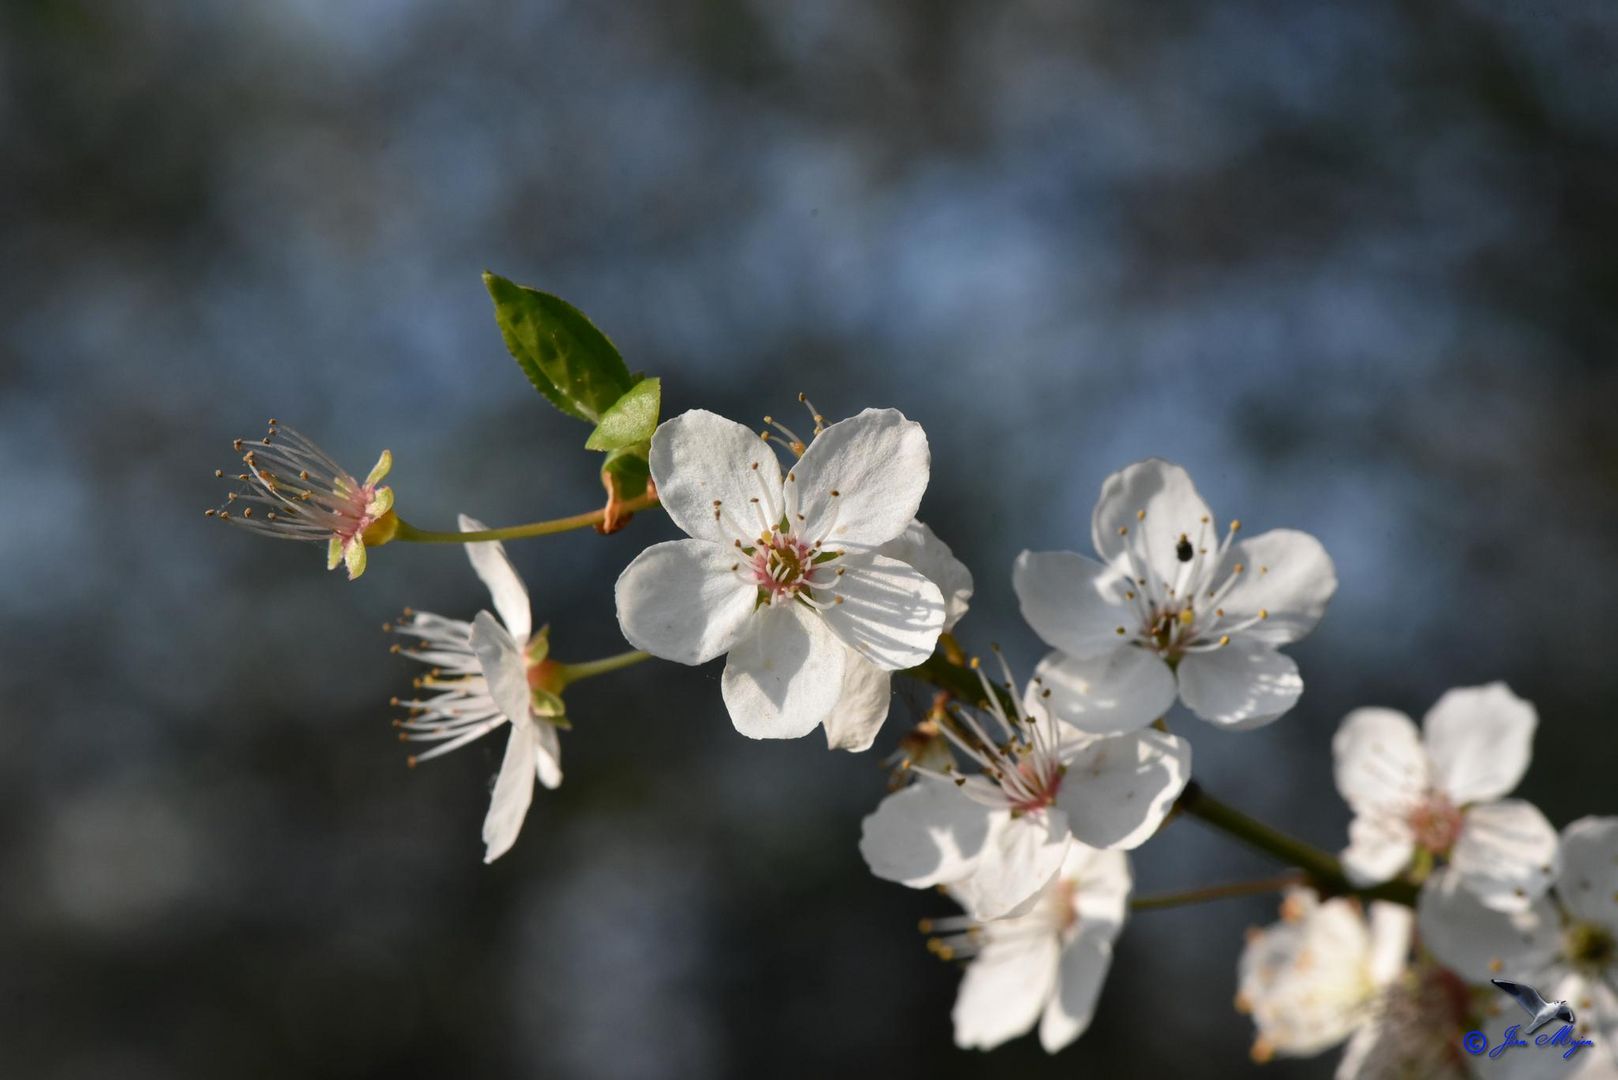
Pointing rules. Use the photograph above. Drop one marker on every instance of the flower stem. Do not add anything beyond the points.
(589, 669)
(1322, 869)
(410, 533)
(1217, 892)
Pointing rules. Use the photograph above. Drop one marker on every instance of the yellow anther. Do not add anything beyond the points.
(1224, 639)
(1187, 616)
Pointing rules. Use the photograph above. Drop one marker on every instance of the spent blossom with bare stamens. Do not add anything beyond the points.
(782, 572)
(1436, 797)
(1045, 966)
(1172, 609)
(292, 490)
(996, 836)
(483, 675)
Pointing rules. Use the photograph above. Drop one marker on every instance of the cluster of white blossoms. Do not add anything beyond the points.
(805, 567)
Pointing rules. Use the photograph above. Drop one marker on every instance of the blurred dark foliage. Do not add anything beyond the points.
(1354, 265)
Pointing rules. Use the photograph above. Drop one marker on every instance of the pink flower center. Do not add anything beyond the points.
(781, 565)
(1038, 779)
(1436, 823)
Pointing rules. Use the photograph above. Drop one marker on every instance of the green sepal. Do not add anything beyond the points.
(560, 350)
(628, 470)
(550, 706)
(630, 420)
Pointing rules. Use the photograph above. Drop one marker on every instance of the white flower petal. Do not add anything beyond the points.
(1080, 973)
(1112, 694)
(506, 589)
(885, 609)
(1173, 507)
(877, 463)
(1507, 854)
(1073, 603)
(1480, 739)
(784, 674)
(1018, 859)
(919, 546)
(547, 754)
(927, 834)
(862, 707)
(1378, 761)
(1118, 789)
(1480, 944)
(1241, 686)
(1004, 989)
(1287, 575)
(699, 457)
(1104, 883)
(503, 667)
(1391, 926)
(1379, 847)
(680, 600)
(513, 791)
(1588, 884)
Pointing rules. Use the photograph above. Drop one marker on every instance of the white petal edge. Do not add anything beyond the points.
(1004, 990)
(919, 546)
(506, 590)
(1507, 853)
(1018, 860)
(1118, 789)
(1241, 686)
(1080, 974)
(784, 674)
(1479, 943)
(927, 834)
(1073, 603)
(862, 707)
(681, 601)
(1379, 847)
(1287, 575)
(1112, 694)
(699, 457)
(1480, 740)
(1378, 761)
(503, 667)
(1588, 884)
(885, 610)
(513, 791)
(877, 463)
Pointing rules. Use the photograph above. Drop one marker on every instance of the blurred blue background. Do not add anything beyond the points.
(1354, 266)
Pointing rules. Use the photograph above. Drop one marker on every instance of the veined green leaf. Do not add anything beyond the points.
(559, 349)
(630, 420)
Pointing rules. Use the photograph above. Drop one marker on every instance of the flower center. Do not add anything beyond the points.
(782, 566)
(1436, 823)
(1033, 784)
(1589, 945)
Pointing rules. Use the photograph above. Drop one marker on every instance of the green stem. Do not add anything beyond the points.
(589, 669)
(1216, 892)
(412, 534)
(1323, 869)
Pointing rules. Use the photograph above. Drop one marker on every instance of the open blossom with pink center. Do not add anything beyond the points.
(1564, 945)
(484, 675)
(295, 491)
(1045, 966)
(1317, 977)
(1437, 794)
(783, 572)
(1172, 609)
(996, 837)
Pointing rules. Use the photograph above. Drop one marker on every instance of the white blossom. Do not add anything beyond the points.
(784, 574)
(481, 678)
(1564, 944)
(1172, 610)
(1438, 794)
(998, 836)
(1044, 966)
(1313, 979)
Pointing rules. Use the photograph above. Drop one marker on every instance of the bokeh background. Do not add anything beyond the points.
(1354, 265)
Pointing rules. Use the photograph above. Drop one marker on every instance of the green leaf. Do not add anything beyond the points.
(562, 353)
(627, 470)
(631, 420)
